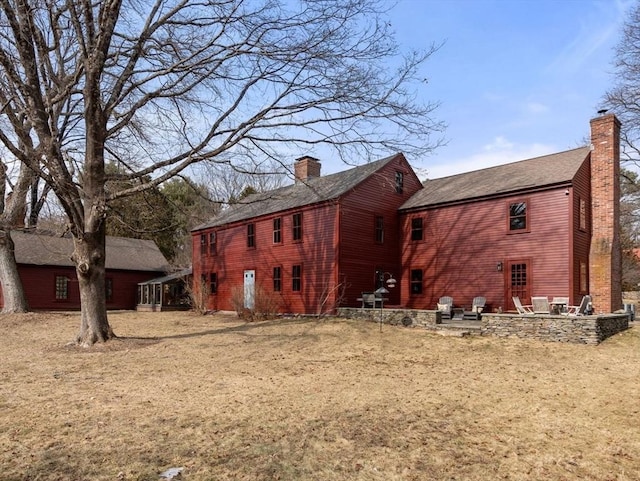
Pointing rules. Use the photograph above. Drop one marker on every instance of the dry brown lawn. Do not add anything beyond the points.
(306, 399)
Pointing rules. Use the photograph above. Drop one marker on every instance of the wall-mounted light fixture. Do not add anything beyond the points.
(499, 267)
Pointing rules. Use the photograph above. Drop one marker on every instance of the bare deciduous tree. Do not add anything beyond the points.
(624, 97)
(157, 86)
(12, 215)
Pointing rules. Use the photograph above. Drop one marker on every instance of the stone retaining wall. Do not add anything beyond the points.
(394, 317)
(574, 329)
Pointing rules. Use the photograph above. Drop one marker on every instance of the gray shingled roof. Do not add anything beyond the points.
(548, 170)
(314, 190)
(122, 253)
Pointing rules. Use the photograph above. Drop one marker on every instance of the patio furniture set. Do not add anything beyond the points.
(445, 306)
(557, 306)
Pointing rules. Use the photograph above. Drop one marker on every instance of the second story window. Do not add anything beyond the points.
(277, 230)
(399, 182)
(251, 235)
(416, 229)
(203, 243)
(518, 217)
(583, 214)
(297, 227)
(212, 243)
(379, 229)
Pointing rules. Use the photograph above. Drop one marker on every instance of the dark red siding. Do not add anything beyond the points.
(360, 255)
(39, 286)
(338, 248)
(580, 238)
(315, 253)
(463, 245)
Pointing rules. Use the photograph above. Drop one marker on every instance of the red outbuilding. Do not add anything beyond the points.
(545, 226)
(49, 276)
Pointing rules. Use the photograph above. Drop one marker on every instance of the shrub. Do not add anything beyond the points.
(266, 304)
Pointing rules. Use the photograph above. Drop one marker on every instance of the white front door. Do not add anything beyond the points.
(249, 289)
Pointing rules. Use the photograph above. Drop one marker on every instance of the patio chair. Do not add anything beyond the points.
(540, 305)
(581, 309)
(445, 306)
(522, 309)
(476, 309)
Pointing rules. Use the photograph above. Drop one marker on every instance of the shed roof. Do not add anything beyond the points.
(530, 174)
(38, 248)
(300, 194)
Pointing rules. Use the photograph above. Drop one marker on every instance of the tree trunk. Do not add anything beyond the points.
(89, 256)
(13, 293)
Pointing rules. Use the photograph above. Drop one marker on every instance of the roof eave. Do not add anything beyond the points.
(500, 195)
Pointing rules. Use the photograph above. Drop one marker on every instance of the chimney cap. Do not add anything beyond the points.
(307, 157)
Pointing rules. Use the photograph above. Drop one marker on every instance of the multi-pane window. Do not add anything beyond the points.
(519, 283)
(416, 281)
(203, 243)
(213, 282)
(379, 229)
(277, 230)
(251, 235)
(296, 278)
(583, 277)
(416, 229)
(399, 182)
(583, 214)
(108, 288)
(62, 288)
(277, 279)
(297, 227)
(518, 216)
(212, 243)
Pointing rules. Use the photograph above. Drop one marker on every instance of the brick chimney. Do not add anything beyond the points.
(605, 257)
(306, 168)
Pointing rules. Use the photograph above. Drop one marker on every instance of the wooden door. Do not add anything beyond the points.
(249, 289)
(518, 282)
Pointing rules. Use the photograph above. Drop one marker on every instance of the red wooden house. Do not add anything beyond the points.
(49, 277)
(544, 226)
(312, 245)
(540, 227)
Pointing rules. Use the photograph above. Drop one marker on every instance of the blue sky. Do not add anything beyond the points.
(516, 78)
